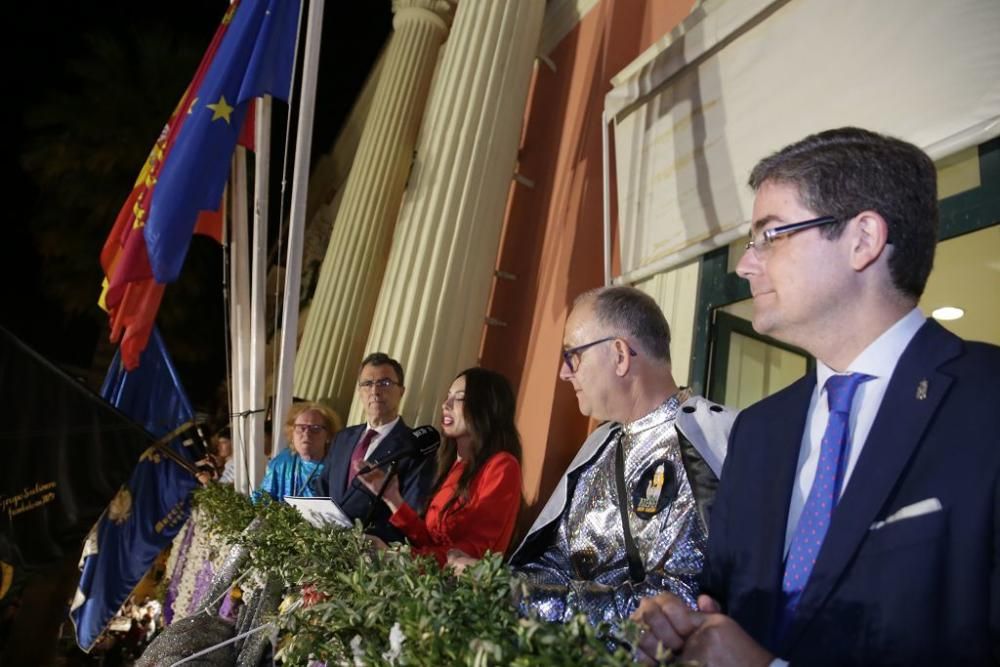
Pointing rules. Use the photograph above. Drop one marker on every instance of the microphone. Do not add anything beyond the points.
(426, 440)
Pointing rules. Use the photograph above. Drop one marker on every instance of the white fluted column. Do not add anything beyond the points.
(434, 295)
(340, 314)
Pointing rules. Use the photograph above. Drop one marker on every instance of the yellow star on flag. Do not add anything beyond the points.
(220, 109)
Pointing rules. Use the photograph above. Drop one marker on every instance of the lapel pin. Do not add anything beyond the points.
(922, 389)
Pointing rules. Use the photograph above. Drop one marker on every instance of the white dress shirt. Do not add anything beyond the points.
(380, 433)
(879, 360)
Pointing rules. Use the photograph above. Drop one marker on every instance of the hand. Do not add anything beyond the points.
(720, 641)
(207, 464)
(670, 623)
(206, 472)
(374, 478)
(458, 560)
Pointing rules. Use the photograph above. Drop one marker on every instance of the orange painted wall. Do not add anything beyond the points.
(552, 234)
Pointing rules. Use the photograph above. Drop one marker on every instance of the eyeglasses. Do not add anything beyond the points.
(571, 356)
(763, 242)
(383, 383)
(311, 429)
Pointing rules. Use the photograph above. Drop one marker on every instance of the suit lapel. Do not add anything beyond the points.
(777, 475)
(342, 460)
(390, 444)
(914, 394)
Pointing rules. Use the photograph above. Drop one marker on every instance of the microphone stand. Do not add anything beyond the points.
(381, 491)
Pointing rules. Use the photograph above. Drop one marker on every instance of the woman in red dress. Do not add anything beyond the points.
(477, 488)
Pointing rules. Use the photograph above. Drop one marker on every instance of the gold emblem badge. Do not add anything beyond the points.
(650, 502)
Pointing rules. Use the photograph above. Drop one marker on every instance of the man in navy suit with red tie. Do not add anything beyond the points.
(384, 435)
(857, 521)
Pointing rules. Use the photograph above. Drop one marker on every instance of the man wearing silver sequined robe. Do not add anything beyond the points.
(574, 557)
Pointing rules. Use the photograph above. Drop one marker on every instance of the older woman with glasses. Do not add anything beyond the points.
(477, 487)
(296, 471)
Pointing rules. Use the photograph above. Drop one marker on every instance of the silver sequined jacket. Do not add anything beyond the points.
(573, 559)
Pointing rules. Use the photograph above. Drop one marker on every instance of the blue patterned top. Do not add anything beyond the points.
(288, 475)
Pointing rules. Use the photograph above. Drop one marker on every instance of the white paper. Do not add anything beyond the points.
(320, 512)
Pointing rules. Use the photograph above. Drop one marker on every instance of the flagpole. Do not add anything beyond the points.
(258, 296)
(296, 223)
(239, 319)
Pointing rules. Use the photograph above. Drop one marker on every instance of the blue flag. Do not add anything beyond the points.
(147, 513)
(254, 58)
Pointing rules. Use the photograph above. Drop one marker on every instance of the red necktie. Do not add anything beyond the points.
(358, 455)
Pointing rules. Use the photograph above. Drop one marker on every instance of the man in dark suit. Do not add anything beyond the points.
(858, 516)
(380, 388)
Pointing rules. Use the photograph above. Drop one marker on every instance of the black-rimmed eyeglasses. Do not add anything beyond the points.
(383, 383)
(571, 356)
(761, 243)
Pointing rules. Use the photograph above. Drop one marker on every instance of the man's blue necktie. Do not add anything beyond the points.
(815, 518)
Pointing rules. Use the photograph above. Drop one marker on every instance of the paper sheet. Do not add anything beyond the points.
(320, 512)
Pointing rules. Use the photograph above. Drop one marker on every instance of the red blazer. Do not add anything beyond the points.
(484, 523)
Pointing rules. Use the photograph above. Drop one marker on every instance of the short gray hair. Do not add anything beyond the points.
(631, 312)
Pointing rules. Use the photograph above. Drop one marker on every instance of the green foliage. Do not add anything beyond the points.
(351, 604)
(394, 608)
(227, 511)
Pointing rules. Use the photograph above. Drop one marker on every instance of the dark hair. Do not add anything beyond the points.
(383, 359)
(846, 171)
(630, 311)
(488, 409)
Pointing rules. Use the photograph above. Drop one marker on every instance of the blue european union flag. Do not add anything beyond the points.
(146, 513)
(254, 58)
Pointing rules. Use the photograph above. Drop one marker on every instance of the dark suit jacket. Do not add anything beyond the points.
(920, 590)
(415, 478)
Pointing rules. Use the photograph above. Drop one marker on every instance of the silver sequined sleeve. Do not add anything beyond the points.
(584, 566)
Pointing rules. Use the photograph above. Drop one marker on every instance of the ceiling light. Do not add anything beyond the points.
(947, 313)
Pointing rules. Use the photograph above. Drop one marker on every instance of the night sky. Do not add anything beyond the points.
(90, 85)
